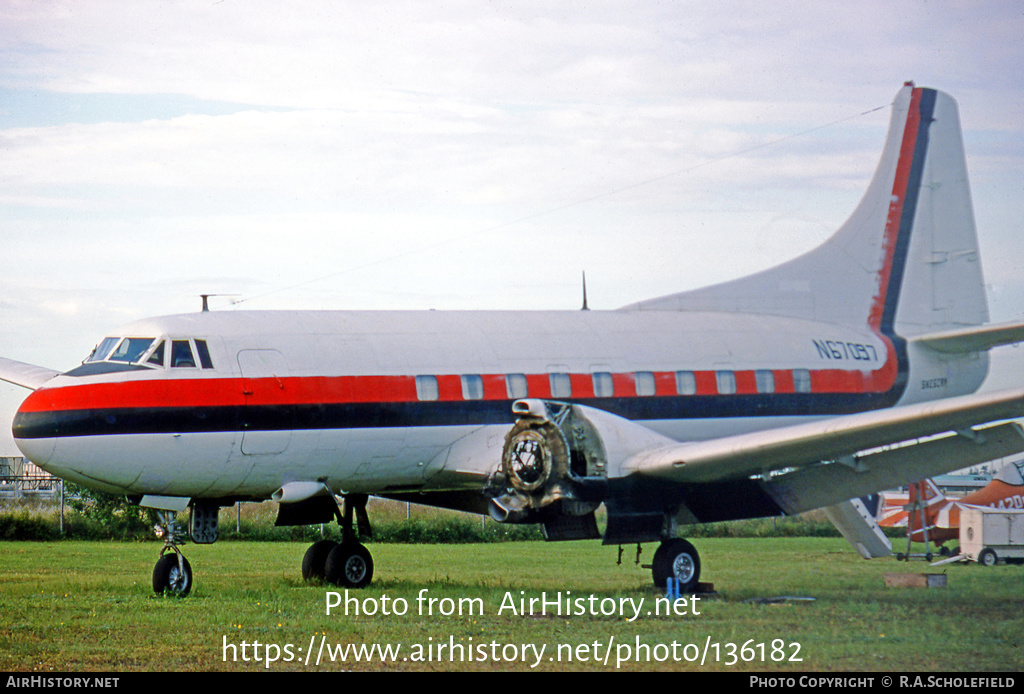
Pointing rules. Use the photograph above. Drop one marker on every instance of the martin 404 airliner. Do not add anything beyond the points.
(848, 370)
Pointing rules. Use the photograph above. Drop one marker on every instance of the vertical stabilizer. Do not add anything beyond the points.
(906, 261)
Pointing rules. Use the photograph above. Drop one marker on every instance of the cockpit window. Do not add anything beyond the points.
(181, 355)
(157, 357)
(151, 352)
(131, 349)
(204, 354)
(104, 349)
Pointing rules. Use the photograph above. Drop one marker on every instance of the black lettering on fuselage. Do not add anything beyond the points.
(838, 350)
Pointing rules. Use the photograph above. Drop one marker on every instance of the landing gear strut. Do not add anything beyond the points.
(172, 573)
(347, 563)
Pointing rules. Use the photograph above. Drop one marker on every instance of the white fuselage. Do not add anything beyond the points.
(373, 401)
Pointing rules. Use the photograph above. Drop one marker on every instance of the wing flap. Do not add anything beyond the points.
(859, 528)
(25, 375)
(801, 445)
(823, 485)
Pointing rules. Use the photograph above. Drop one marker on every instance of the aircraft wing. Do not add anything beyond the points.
(822, 463)
(833, 439)
(787, 470)
(25, 375)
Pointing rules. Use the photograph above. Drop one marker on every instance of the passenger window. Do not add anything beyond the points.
(157, 357)
(603, 384)
(204, 354)
(686, 383)
(472, 387)
(801, 380)
(515, 386)
(561, 386)
(765, 381)
(426, 388)
(181, 355)
(726, 381)
(644, 383)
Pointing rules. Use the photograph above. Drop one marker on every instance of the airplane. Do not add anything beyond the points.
(940, 521)
(848, 370)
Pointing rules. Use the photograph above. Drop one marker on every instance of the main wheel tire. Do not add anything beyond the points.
(349, 565)
(676, 559)
(315, 560)
(987, 557)
(170, 577)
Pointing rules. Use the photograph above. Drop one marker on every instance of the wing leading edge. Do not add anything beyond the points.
(821, 463)
(25, 375)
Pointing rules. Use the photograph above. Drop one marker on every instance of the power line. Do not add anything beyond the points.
(560, 208)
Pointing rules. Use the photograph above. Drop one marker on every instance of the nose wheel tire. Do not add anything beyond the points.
(172, 576)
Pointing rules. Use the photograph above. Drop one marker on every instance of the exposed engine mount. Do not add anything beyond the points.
(553, 467)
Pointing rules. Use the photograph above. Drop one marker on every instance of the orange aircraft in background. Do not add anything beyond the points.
(942, 514)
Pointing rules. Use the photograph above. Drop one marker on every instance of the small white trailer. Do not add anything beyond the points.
(988, 535)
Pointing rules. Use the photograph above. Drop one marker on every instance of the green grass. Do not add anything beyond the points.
(88, 606)
(393, 521)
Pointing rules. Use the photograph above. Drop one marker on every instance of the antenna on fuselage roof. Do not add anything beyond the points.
(206, 302)
(585, 307)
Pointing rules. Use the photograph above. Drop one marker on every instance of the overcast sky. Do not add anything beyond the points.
(397, 154)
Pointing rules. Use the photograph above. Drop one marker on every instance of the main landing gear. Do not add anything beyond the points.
(676, 559)
(348, 563)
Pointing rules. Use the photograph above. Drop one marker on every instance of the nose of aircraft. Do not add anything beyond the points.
(39, 451)
(41, 433)
(33, 443)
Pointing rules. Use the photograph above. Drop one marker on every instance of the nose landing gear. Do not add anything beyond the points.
(172, 573)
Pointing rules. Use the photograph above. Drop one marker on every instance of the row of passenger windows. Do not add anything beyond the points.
(517, 387)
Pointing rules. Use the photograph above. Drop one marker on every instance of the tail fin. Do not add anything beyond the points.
(896, 507)
(905, 263)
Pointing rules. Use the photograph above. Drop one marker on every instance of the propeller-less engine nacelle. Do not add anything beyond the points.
(553, 464)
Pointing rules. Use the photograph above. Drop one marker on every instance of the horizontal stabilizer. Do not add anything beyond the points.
(25, 375)
(973, 339)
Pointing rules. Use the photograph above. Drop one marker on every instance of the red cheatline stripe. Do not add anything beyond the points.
(227, 392)
(899, 195)
(893, 221)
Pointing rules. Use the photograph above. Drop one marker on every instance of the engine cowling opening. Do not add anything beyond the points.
(548, 458)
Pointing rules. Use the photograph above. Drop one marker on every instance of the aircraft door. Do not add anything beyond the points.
(266, 421)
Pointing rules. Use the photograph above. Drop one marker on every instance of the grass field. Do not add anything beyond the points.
(88, 606)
